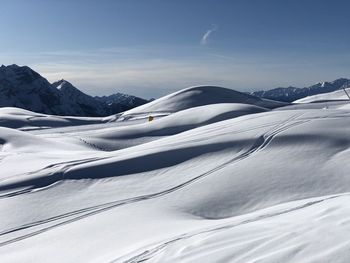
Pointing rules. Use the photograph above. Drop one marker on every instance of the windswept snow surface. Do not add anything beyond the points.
(17, 118)
(222, 182)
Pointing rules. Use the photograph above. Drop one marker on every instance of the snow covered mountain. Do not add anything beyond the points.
(290, 94)
(24, 88)
(73, 102)
(224, 178)
(120, 102)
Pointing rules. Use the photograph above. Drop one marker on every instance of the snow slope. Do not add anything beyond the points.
(215, 183)
(198, 96)
(335, 95)
(118, 136)
(27, 120)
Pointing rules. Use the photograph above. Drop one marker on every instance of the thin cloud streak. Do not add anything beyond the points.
(205, 38)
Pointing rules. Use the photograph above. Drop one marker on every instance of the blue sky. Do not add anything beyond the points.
(152, 47)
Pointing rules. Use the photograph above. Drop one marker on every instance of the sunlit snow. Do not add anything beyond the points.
(216, 176)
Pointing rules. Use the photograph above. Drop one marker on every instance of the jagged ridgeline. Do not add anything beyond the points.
(24, 88)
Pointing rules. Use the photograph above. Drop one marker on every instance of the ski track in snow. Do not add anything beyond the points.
(57, 170)
(54, 173)
(147, 254)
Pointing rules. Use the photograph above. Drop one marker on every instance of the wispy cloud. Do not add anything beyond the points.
(206, 36)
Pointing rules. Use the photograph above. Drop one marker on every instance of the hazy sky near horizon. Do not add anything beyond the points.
(152, 47)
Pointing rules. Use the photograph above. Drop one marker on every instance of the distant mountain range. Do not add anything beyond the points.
(291, 94)
(24, 88)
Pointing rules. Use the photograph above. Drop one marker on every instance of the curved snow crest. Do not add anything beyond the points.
(200, 96)
(116, 138)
